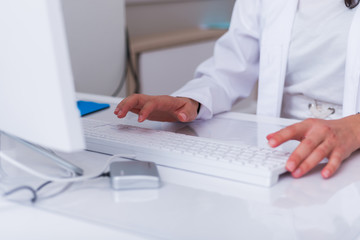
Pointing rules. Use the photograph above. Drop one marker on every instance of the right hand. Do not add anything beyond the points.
(159, 108)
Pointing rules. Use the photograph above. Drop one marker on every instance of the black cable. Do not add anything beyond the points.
(35, 191)
(62, 190)
(125, 71)
(121, 84)
(131, 66)
(107, 174)
(32, 190)
(43, 185)
(33, 199)
(128, 65)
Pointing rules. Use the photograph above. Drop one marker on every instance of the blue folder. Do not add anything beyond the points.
(87, 107)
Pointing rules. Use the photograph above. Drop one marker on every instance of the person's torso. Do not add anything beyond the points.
(315, 73)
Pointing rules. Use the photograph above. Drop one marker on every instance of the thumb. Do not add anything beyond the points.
(182, 117)
(188, 111)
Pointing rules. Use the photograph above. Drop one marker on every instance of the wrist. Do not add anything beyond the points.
(197, 105)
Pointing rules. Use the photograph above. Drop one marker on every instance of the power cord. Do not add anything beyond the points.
(125, 71)
(50, 179)
(131, 66)
(128, 65)
(61, 180)
(34, 192)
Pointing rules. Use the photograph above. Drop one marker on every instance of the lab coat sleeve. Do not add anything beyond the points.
(233, 70)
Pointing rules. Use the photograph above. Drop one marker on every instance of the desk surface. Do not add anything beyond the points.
(192, 206)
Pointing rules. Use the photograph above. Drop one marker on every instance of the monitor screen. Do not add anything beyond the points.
(37, 97)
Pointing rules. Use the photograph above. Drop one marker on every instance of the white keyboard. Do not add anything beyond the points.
(239, 162)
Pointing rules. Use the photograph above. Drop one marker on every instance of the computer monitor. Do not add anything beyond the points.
(37, 96)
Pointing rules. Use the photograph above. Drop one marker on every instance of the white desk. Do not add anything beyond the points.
(192, 206)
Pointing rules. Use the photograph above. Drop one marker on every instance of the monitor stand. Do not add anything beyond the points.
(57, 159)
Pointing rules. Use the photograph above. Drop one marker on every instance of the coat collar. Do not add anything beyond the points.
(351, 102)
(274, 46)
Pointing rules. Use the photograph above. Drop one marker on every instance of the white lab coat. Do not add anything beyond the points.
(256, 48)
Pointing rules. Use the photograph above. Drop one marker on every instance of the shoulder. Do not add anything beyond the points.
(256, 4)
(245, 5)
(261, 8)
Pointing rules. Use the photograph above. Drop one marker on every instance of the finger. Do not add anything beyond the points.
(146, 110)
(334, 163)
(188, 112)
(296, 131)
(127, 105)
(292, 132)
(117, 109)
(185, 116)
(316, 156)
(303, 150)
(121, 104)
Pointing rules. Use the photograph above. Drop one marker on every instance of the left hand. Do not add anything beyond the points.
(319, 139)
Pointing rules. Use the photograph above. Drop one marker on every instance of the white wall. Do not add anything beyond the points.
(96, 35)
(146, 17)
(166, 70)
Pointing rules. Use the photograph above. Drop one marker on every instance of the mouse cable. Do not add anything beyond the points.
(25, 187)
(34, 192)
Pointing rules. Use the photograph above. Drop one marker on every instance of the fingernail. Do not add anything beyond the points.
(290, 166)
(272, 142)
(182, 117)
(326, 173)
(118, 111)
(119, 114)
(297, 173)
(141, 118)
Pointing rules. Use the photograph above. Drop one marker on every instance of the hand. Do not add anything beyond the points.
(334, 139)
(158, 108)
